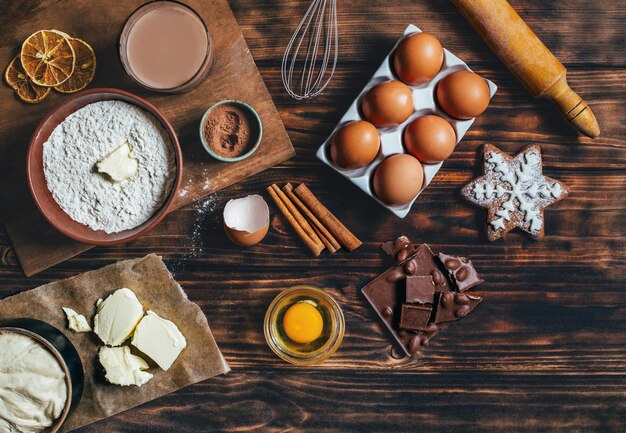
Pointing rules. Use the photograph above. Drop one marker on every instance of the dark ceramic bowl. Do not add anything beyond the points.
(64, 352)
(39, 187)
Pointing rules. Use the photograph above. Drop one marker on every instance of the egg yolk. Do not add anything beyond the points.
(303, 323)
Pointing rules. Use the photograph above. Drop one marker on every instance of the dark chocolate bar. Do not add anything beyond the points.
(453, 305)
(385, 294)
(461, 270)
(400, 249)
(424, 263)
(415, 341)
(420, 289)
(415, 317)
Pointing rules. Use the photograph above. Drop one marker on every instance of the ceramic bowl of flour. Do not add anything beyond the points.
(75, 195)
(51, 397)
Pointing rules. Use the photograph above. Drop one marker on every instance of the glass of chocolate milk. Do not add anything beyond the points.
(165, 46)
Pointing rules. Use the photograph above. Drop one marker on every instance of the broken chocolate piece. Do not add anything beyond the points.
(420, 289)
(400, 249)
(461, 271)
(415, 317)
(387, 247)
(437, 277)
(453, 305)
(382, 294)
(426, 264)
(386, 294)
(422, 338)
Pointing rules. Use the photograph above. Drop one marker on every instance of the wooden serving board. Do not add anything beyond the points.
(234, 76)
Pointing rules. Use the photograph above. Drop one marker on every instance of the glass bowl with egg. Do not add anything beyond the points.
(304, 325)
(41, 372)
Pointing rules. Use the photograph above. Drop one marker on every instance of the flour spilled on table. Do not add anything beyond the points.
(204, 218)
(206, 184)
(203, 213)
(203, 210)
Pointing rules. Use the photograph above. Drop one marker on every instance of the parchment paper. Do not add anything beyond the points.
(156, 289)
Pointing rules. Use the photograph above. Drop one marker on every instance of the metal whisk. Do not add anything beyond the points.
(306, 76)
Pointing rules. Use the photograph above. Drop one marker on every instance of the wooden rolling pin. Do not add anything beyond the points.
(519, 48)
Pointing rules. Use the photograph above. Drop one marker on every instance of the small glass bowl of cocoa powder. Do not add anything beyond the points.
(231, 130)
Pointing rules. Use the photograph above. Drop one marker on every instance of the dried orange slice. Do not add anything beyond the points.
(84, 69)
(61, 33)
(28, 91)
(48, 58)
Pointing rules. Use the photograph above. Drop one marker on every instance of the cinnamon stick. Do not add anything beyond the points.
(322, 232)
(331, 246)
(315, 246)
(345, 237)
(324, 240)
(298, 216)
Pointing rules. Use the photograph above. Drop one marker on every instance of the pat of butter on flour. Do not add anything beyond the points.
(119, 165)
(160, 339)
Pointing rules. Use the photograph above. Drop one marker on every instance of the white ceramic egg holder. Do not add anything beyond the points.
(391, 138)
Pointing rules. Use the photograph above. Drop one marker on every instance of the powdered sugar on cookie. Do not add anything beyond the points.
(514, 190)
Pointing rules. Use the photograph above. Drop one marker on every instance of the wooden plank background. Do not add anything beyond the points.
(544, 352)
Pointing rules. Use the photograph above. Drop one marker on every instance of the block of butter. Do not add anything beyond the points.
(76, 322)
(122, 367)
(160, 339)
(119, 165)
(117, 317)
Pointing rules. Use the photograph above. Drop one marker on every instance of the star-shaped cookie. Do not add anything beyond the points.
(514, 191)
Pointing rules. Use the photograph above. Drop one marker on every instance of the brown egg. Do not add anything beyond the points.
(398, 179)
(463, 94)
(429, 138)
(418, 58)
(388, 103)
(355, 145)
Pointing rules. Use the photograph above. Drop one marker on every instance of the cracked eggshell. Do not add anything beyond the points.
(246, 220)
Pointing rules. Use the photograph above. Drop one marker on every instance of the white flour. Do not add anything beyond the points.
(88, 135)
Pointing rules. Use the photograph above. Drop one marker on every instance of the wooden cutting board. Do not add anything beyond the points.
(234, 76)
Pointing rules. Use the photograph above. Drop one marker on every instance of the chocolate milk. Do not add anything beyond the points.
(167, 46)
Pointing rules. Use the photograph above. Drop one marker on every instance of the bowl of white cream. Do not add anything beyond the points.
(41, 377)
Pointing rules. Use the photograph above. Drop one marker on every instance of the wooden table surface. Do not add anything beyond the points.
(544, 352)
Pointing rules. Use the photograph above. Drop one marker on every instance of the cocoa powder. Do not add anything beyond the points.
(230, 130)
